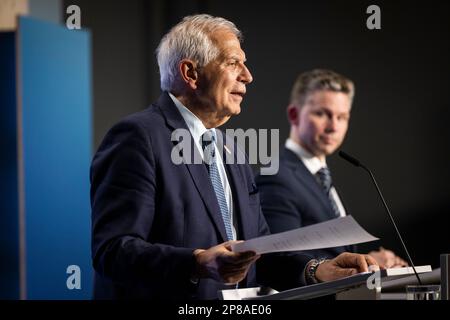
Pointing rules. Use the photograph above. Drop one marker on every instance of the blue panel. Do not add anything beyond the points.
(9, 229)
(56, 93)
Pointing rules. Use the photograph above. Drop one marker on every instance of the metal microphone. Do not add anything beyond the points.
(356, 163)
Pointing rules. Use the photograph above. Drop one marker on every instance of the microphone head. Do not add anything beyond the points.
(349, 158)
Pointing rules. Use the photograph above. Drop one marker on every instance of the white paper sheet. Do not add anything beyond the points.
(242, 294)
(338, 232)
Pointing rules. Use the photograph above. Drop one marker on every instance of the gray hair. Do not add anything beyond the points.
(318, 80)
(190, 39)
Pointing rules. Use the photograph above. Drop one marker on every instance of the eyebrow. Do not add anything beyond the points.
(325, 108)
(238, 59)
(235, 57)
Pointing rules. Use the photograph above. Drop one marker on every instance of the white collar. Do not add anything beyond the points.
(195, 125)
(312, 163)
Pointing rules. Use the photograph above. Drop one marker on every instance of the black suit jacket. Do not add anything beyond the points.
(293, 198)
(149, 214)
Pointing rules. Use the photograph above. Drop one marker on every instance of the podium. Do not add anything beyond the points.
(381, 285)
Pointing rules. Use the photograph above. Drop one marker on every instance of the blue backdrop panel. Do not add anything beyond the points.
(9, 228)
(55, 66)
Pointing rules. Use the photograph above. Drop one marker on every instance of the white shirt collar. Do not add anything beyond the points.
(195, 125)
(197, 129)
(312, 163)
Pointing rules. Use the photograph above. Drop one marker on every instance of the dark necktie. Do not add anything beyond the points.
(324, 178)
(208, 144)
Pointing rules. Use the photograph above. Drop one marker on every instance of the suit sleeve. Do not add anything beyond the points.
(123, 189)
(280, 271)
(279, 203)
(283, 208)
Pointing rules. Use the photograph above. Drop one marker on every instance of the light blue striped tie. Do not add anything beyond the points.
(208, 144)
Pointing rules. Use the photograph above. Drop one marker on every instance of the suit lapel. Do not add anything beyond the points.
(305, 177)
(198, 172)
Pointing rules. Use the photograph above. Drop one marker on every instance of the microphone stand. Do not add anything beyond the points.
(356, 163)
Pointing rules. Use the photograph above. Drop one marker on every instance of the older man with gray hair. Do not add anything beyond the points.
(164, 230)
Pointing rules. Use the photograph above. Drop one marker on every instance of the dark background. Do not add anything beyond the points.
(399, 118)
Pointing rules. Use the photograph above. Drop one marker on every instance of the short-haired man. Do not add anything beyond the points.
(302, 192)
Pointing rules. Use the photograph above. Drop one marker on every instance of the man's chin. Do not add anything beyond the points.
(234, 110)
(327, 150)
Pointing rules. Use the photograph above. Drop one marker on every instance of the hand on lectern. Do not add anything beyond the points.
(344, 265)
(387, 259)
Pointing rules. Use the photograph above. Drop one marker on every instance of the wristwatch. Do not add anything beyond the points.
(311, 269)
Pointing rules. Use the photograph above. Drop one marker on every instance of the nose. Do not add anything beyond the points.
(332, 124)
(245, 76)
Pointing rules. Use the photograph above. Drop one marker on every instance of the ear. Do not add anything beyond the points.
(188, 73)
(293, 114)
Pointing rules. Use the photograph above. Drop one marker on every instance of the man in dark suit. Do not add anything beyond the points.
(302, 193)
(163, 228)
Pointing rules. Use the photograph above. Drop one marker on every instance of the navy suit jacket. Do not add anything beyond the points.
(149, 214)
(293, 198)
